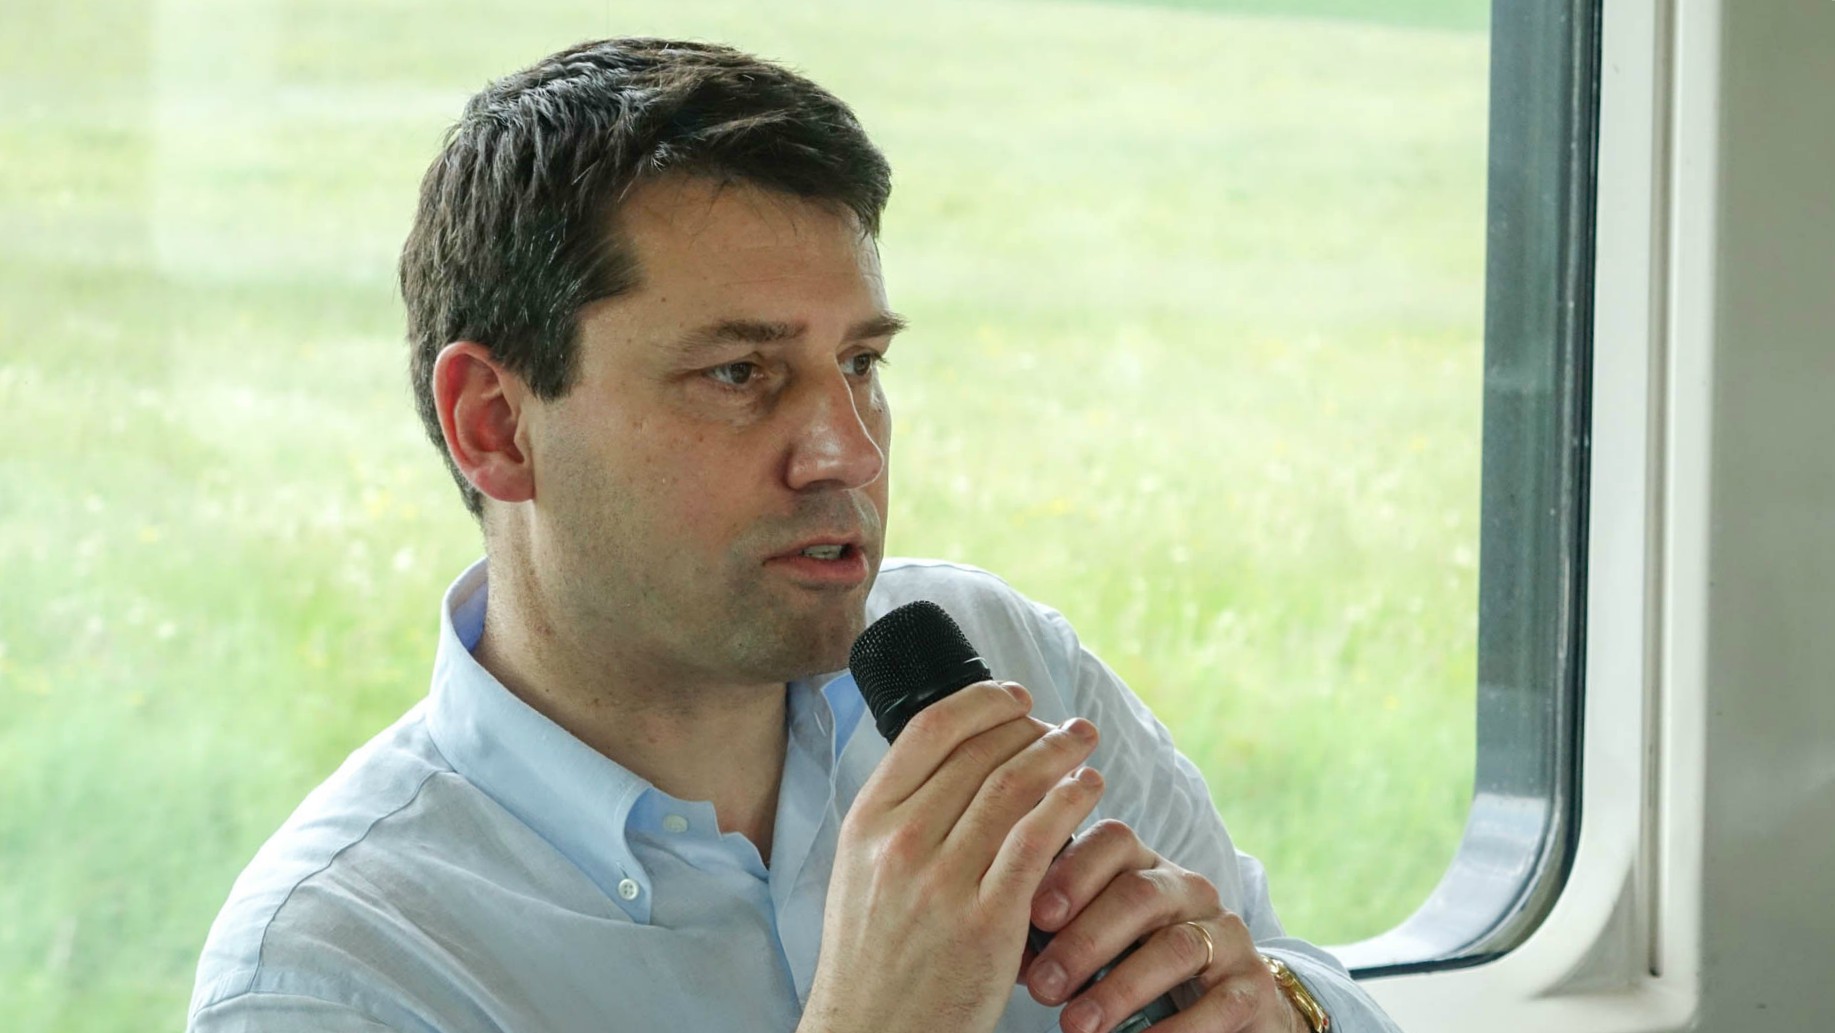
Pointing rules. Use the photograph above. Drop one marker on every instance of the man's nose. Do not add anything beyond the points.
(834, 444)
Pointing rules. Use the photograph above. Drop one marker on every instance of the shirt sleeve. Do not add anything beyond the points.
(1160, 794)
(267, 1012)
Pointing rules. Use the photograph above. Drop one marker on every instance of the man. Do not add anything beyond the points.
(646, 311)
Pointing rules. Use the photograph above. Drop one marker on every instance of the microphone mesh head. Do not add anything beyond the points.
(910, 658)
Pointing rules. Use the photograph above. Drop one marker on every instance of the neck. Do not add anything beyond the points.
(695, 740)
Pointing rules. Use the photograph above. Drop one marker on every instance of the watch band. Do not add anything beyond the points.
(1296, 992)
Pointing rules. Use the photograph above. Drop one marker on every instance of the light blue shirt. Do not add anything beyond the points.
(477, 868)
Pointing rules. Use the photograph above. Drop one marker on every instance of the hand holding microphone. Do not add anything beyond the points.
(937, 863)
(949, 848)
(911, 659)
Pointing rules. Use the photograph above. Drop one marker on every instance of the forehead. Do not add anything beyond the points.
(710, 253)
(696, 234)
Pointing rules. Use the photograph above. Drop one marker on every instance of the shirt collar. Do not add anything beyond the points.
(573, 796)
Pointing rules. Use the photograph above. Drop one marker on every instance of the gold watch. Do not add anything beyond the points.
(1296, 991)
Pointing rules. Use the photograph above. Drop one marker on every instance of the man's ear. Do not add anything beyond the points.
(481, 413)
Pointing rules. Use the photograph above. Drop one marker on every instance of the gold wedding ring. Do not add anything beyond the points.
(1210, 947)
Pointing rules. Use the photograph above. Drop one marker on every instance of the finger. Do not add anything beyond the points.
(1035, 838)
(1240, 1003)
(938, 805)
(1170, 956)
(930, 736)
(1010, 791)
(1134, 905)
(1089, 863)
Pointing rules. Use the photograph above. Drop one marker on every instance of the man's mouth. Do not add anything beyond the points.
(830, 563)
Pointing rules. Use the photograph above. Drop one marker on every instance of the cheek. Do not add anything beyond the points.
(645, 471)
(699, 483)
(877, 416)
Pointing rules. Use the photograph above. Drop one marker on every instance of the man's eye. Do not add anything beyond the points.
(735, 374)
(862, 364)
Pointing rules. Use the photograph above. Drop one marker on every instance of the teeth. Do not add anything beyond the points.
(825, 552)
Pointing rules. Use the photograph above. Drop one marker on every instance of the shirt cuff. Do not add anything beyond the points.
(1350, 1008)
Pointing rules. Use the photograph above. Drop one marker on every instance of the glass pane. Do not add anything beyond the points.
(1198, 361)
(1197, 292)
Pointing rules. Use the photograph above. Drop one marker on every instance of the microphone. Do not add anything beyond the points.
(909, 659)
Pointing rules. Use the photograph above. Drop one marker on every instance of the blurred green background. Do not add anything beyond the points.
(1196, 291)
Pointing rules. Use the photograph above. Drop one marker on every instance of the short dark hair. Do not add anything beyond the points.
(514, 233)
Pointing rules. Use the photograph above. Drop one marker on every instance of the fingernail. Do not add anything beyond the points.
(1019, 692)
(1052, 907)
(1048, 979)
(1083, 730)
(1081, 1017)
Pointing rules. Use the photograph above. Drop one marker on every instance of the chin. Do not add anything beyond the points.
(800, 646)
(827, 647)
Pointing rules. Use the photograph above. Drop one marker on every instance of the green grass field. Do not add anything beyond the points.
(1196, 292)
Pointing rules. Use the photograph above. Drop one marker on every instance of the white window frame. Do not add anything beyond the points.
(1619, 950)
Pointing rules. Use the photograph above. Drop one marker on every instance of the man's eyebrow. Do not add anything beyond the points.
(757, 331)
(886, 324)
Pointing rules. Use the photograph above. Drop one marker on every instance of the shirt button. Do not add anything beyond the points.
(675, 823)
(628, 889)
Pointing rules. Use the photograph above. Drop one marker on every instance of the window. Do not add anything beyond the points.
(1196, 358)
(1214, 304)
(1521, 833)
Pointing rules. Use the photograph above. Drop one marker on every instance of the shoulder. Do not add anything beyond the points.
(972, 596)
(287, 926)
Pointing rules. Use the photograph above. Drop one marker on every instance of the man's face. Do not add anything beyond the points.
(712, 493)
